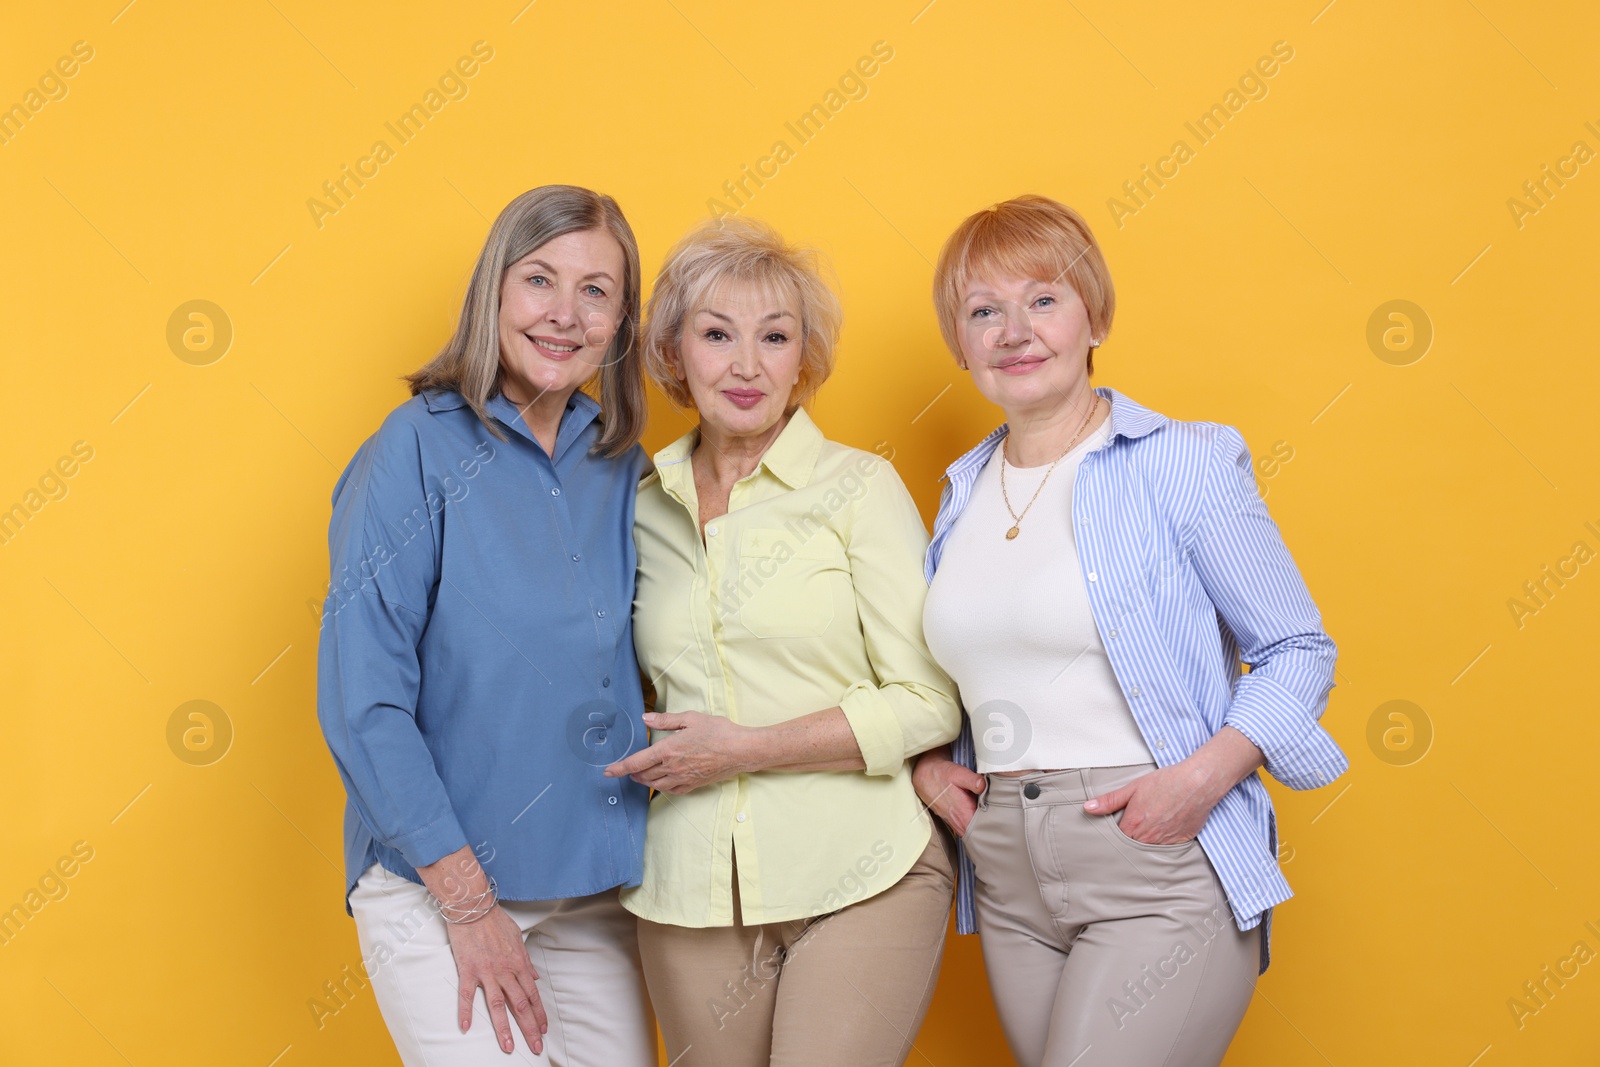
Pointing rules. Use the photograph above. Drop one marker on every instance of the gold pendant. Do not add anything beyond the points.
(1011, 534)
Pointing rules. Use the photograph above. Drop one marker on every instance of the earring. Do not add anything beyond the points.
(1093, 343)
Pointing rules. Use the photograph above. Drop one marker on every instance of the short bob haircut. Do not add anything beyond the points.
(469, 363)
(738, 250)
(1026, 237)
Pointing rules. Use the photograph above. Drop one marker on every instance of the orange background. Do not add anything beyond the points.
(184, 560)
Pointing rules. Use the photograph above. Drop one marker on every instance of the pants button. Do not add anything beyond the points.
(1031, 790)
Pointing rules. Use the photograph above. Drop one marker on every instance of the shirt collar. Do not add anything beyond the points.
(1129, 418)
(581, 410)
(443, 399)
(791, 458)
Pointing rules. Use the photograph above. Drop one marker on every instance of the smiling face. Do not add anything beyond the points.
(559, 309)
(1026, 343)
(740, 357)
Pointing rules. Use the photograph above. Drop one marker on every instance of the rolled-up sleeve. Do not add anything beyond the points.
(910, 705)
(384, 565)
(1241, 560)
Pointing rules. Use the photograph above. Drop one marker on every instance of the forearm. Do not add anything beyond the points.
(1223, 762)
(820, 741)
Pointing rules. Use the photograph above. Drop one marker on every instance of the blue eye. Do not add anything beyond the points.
(1044, 301)
(596, 291)
(979, 312)
(538, 279)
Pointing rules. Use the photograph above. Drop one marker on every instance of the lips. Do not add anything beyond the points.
(554, 347)
(744, 398)
(1019, 364)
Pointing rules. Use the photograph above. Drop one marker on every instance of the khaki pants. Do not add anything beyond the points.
(583, 949)
(1102, 950)
(846, 988)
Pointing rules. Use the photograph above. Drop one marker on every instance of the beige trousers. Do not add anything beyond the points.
(846, 988)
(1102, 950)
(583, 949)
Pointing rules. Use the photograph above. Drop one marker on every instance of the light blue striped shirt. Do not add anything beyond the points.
(1182, 562)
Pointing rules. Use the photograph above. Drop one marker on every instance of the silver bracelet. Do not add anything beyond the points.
(472, 909)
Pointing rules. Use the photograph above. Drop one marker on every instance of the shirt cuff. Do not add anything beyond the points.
(877, 729)
(432, 842)
(1299, 752)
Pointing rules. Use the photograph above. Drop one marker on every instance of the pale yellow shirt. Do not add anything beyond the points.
(807, 595)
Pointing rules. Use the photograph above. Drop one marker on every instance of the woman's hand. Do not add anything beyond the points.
(1165, 807)
(490, 953)
(700, 750)
(1168, 806)
(947, 789)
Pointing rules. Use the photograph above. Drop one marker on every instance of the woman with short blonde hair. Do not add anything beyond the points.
(795, 894)
(740, 251)
(1098, 571)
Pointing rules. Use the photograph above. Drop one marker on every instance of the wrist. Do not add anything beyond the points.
(469, 908)
(1206, 777)
(752, 748)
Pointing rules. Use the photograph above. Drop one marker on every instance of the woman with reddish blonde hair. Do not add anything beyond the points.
(1097, 573)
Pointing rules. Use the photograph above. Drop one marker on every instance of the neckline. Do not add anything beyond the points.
(1098, 435)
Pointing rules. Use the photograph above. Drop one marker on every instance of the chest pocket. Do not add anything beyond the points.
(789, 587)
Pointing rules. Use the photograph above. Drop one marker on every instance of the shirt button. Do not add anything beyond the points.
(555, 492)
(606, 681)
(601, 613)
(1084, 522)
(712, 529)
(576, 557)
(740, 817)
(1112, 634)
(1134, 691)
(1093, 577)
(1160, 743)
(611, 800)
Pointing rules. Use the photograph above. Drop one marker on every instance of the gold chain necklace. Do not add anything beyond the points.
(1016, 520)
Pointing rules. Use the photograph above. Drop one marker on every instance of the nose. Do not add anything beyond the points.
(746, 360)
(563, 309)
(1013, 328)
(1017, 327)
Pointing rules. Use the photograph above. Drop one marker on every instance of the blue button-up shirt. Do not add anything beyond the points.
(476, 668)
(1184, 565)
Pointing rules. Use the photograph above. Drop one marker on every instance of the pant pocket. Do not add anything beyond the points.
(1122, 836)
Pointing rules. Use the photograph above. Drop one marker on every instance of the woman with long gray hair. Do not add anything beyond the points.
(476, 668)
